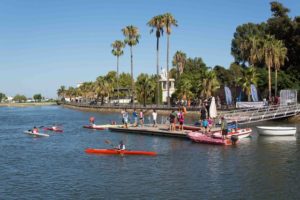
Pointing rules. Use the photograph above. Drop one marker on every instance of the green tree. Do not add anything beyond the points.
(117, 51)
(169, 21)
(103, 88)
(61, 92)
(249, 77)
(209, 84)
(132, 36)
(2, 97)
(157, 24)
(240, 45)
(86, 90)
(184, 89)
(145, 86)
(179, 61)
(37, 97)
(279, 58)
(19, 98)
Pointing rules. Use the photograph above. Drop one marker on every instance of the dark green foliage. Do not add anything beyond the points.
(2, 97)
(19, 98)
(37, 97)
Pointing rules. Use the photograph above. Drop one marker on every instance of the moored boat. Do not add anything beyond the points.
(189, 128)
(119, 152)
(276, 130)
(240, 132)
(206, 139)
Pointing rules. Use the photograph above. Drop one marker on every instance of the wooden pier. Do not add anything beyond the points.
(147, 130)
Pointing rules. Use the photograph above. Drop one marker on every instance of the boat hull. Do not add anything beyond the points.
(241, 133)
(94, 127)
(54, 130)
(276, 131)
(204, 139)
(36, 134)
(119, 152)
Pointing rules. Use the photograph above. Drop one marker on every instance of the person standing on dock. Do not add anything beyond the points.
(141, 118)
(224, 127)
(172, 118)
(125, 118)
(154, 117)
(135, 118)
(180, 117)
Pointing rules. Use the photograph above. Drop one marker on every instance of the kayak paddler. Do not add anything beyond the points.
(92, 121)
(121, 146)
(35, 130)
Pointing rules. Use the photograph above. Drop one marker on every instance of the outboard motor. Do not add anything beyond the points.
(234, 139)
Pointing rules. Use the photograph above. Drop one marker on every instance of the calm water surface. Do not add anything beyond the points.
(57, 167)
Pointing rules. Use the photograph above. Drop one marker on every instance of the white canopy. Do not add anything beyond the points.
(213, 108)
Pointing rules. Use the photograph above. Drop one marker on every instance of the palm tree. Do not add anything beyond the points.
(184, 89)
(145, 87)
(61, 92)
(279, 59)
(269, 52)
(250, 76)
(209, 84)
(103, 88)
(117, 50)
(132, 36)
(179, 61)
(169, 22)
(86, 90)
(157, 24)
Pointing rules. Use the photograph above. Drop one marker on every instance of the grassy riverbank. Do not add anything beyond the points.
(27, 104)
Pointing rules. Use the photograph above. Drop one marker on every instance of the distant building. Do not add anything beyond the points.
(163, 80)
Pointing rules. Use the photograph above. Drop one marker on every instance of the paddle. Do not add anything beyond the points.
(109, 142)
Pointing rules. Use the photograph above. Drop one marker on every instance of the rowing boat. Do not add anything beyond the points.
(119, 152)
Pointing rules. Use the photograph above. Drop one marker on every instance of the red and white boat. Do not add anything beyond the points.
(216, 137)
(240, 132)
(207, 139)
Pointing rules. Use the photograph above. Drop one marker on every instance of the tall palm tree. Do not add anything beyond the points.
(169, 22)
(132, 37)
(179, 61)
(103, 88)
(117, 50)
(269, 52)
(250, 76)
(157, 24)
(279, 59)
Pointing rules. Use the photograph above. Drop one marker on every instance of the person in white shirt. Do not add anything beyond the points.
(154, 117)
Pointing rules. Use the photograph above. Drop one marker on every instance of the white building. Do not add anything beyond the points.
(163, 81)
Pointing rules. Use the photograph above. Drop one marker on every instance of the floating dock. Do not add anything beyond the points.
(157, 131)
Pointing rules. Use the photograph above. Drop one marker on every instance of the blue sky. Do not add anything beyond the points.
(45, 44)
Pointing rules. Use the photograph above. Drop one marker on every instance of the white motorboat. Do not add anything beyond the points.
(276, 130)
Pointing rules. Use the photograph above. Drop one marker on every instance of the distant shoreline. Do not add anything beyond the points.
(27, 104)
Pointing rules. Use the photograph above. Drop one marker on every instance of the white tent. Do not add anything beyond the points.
(213, 108)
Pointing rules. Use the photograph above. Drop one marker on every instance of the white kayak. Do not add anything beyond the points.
(276, 130)
(36, 134)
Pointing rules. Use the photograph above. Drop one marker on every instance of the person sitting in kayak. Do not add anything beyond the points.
(92, 121)
(121, 146)
(35, 130)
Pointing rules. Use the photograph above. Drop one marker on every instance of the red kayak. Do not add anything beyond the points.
(54, 129)
(94, 127)
(118, 152)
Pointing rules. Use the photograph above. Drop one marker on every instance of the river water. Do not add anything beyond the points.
(57, 167)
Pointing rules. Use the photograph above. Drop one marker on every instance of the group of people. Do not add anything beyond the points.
(177, 116)
(138, 118)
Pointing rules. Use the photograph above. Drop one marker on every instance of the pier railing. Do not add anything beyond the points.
(246, 116)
